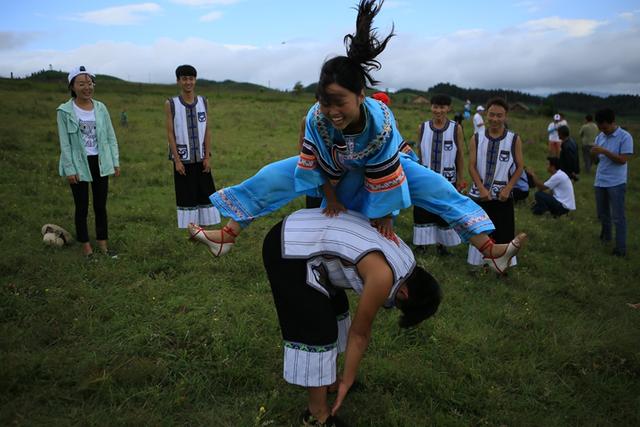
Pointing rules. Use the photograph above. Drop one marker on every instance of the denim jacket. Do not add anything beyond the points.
(73, 156)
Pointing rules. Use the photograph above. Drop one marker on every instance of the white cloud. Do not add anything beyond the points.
(529, 6)
(573, 27)
(530, 61)
(470, 33)
(211, 16)
(119, 15)
(205, 2)
(629, 16)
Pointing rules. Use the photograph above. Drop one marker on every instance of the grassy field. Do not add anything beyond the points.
(167, 335)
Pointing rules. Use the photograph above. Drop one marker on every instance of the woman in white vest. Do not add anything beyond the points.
(495, 165)
(311, 259)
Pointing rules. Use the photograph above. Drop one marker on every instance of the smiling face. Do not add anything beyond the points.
(187, 84)
(439, 112)
(496, 116)
(341, 107)
(83, 87)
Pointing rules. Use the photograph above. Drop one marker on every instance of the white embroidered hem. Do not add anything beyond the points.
(310, 368)
(432, 234)
(202, 215)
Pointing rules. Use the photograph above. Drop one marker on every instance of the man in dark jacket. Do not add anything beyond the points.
(569, 162)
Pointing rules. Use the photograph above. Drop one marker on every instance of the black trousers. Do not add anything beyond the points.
(305, 315)
(194, 188)
(99, 190)
(546, 202)
(503, 217)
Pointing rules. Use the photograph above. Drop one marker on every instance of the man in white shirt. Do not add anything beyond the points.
(562, 199)
(478, 122)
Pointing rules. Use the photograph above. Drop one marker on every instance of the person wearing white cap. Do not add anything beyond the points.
(478, 122)
(88, 154)
(554, 138)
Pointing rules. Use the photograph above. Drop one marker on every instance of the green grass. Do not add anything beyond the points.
(167, 335)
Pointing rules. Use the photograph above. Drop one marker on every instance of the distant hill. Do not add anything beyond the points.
(56, 76)
(233, 85)
(567, 101)
(562, 101)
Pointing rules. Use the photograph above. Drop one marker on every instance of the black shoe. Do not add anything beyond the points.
(420, 249)
(309, 420)
(442, 250)
(110, 253)
(619, 252)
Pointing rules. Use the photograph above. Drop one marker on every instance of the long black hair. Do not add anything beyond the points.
(353, 71)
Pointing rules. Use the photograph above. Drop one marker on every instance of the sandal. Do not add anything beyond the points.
(500, 263)
(215, 248)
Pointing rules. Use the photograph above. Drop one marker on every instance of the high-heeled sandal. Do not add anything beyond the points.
(215, 248)
(500, 263)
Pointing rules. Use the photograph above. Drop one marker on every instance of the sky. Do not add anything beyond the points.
(535, 46)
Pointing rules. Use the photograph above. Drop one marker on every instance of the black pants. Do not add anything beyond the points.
(194, 187)
(545, 202)
(305, 315)
(99, 190)
(503, 218)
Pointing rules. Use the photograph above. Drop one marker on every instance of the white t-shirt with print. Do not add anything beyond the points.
(562, 188)
(87, 123)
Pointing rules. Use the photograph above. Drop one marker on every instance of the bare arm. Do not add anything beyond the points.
(473, 170)
(506, 191)
(460, 181)
(418, 142)
(334, 207)
(536, 181)
(172, 138)
(378, 279)
(617, 158)
(206, 161)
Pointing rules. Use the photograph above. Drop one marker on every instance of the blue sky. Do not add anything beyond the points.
(536, 46)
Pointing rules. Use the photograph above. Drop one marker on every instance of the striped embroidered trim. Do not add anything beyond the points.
(405, 148)
(233, 205)
(310, 348)
(307, 161)
(386, 183)
(309, 149)
(469, 222)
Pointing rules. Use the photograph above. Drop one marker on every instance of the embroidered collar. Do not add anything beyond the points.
(183, 102)
(321, 123)
(435, 129)
(500, 138)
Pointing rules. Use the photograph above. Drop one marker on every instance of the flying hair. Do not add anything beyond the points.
(364, 46)
(353, 72)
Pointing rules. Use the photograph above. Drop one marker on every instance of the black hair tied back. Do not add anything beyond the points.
(364, 46)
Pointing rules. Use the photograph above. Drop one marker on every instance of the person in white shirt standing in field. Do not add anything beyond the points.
(478, 121)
